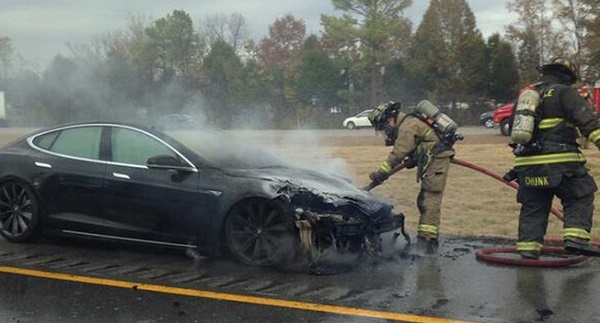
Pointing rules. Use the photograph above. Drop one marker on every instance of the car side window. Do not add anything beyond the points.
(363, 114)
(45, 141)
(83, 142)
(133, 147)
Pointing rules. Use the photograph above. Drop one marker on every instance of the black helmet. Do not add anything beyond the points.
(563, 66)
(380, 115)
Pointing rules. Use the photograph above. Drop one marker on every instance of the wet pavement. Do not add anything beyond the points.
(451, 285)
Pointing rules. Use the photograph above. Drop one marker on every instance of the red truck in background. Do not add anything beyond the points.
(502, 118)
(502, 114)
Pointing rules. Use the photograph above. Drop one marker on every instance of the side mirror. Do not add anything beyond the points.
(167, 162)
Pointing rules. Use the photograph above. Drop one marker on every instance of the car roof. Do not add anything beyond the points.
(151, 129)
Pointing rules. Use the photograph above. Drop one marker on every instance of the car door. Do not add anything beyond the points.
(362, 119)
(71, 176)
(148, 204)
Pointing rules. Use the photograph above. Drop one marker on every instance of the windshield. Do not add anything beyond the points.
(226, 151)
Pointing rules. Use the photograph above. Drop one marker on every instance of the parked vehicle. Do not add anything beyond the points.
(119, 182)
(360, 120)
(487, 119)
(502, 116)
(594, 93)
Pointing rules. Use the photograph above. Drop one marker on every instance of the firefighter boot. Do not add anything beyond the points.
(581, 248)
(532, 255)
(427, 245)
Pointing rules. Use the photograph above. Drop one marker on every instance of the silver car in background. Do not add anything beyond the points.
(360, 120)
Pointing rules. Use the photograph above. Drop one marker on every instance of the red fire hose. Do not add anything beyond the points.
(488, 172)
(490, 254)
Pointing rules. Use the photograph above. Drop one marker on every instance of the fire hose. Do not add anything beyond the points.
(489, 254)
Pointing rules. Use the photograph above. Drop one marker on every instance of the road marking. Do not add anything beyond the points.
(231, 297)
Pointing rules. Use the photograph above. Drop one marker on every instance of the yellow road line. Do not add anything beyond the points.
(231, 297)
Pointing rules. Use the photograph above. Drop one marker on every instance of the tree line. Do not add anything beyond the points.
(368, 54)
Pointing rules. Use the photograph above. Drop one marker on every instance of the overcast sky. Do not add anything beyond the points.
(41, 28)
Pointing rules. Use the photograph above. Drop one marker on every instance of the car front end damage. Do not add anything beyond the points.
(311, 215)
(348, 221)
(319, 231)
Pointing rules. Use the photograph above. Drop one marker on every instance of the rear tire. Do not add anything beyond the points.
(19, 212)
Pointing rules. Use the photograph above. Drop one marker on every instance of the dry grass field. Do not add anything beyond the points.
(474, 204)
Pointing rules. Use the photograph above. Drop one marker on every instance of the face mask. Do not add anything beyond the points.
(391, 133)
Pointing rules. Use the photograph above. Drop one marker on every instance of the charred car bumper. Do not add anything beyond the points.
(340, 225)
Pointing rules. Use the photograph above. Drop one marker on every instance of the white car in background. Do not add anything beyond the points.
(358, 121)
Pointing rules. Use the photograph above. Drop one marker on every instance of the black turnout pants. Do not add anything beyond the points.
(576, 194)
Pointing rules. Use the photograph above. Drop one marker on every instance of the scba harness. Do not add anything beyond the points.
(440, 123)
(527, 123)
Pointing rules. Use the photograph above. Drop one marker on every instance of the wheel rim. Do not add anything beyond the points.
(257, 233)
(351, 125)
(489, 123)
(16, 210)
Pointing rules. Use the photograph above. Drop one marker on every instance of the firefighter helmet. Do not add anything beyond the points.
(380, 115)
(563, 66)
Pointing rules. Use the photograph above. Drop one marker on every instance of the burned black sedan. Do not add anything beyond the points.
(120, 182)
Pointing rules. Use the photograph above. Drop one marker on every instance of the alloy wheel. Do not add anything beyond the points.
(18, 212)
(259, 234)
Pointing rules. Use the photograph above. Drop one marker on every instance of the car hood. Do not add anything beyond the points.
(314, 190)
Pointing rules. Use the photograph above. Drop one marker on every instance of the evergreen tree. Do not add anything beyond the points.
(504, 75)
(591, 40)
(221, 66)
(447, 60)
(367, 38)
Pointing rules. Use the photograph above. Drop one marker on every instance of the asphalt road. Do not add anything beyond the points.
(74, 281)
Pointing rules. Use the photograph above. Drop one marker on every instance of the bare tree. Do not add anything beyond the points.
(570, 15)
(233, 29)
(533, 35)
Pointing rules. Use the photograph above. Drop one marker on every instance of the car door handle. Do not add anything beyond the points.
(44, 165)
(120, 175)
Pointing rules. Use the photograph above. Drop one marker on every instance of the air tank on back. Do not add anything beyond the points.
(436, 118)
(524, 116)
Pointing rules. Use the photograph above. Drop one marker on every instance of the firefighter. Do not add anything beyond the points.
(551, 164)
(416, 143)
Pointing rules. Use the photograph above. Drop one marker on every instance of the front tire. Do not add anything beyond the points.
(489, 123)
(505, 127)
(258, 233)
(351, 125)
(19, 212)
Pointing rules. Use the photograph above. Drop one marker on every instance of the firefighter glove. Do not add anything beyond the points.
(381, 174)
(510, 176)
(409, 163)
(378, 176)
